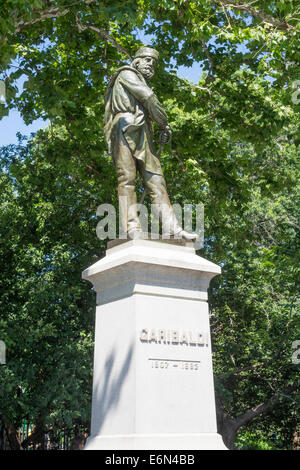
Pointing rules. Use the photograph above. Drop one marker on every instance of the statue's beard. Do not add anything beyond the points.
(146, 70)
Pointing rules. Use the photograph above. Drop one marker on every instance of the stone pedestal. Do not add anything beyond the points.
(153, 381)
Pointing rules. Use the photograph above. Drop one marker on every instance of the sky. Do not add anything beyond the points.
(13, 123)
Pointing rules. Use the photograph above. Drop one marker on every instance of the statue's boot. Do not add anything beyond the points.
(187, 235)
(136, 234)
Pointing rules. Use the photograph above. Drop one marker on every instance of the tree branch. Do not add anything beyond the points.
(265, 17)
(55, 12)
(104, 34)
(212, 65)
(52, 12)
(262, 408)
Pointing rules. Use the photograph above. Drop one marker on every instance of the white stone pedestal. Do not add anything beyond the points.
(153, 381)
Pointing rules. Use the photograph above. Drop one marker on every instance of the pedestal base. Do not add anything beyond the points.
(210, 441)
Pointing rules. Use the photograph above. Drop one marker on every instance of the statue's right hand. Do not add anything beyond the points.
(165, 135)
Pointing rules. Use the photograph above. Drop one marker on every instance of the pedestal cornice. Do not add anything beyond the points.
(153, 268)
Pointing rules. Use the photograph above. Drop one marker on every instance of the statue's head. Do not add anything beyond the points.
(145, 60)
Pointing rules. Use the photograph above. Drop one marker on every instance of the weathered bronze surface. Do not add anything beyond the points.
(130, 108)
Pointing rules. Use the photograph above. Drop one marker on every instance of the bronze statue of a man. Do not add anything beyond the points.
(130, 108)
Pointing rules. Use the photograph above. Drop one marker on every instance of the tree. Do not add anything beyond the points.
(47, 312)
(234, 148)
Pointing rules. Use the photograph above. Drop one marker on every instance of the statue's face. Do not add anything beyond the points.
(146, 66)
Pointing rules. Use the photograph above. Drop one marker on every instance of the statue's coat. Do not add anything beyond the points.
(130, 108)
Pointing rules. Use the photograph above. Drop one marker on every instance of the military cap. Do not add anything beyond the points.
(146, 52)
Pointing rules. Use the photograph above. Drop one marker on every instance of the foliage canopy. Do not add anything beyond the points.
(235, 148)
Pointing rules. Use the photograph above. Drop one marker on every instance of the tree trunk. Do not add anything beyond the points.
(226, 425)
(12, 436)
